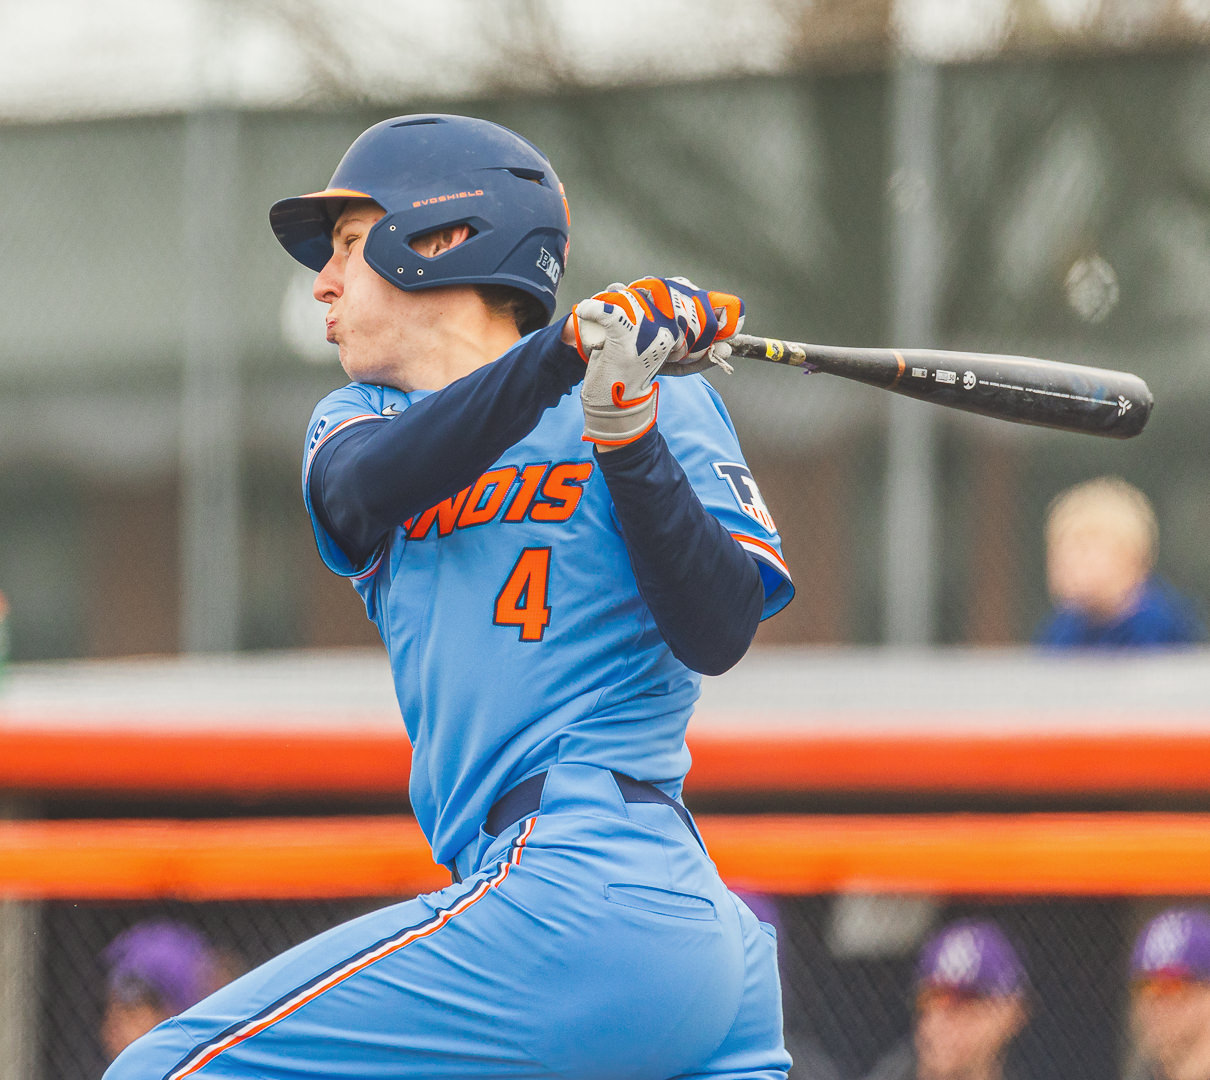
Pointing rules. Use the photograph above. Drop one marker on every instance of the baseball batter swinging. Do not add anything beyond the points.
(550, 572)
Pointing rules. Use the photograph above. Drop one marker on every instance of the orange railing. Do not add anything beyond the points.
(962, 854)
(373, 762)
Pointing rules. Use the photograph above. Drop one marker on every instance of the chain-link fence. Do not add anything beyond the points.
(848, 968)
(848, 971)
(70, 969)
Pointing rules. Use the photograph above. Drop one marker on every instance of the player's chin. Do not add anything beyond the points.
(358, 366)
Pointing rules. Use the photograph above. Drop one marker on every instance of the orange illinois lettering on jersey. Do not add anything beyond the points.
(562, 489)
(531, 477)
(544, 493)
(486, 497)
(445, 514)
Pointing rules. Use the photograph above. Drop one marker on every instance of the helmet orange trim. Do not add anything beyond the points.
(336, 193)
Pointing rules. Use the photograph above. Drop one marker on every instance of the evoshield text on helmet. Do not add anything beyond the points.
(431, 172)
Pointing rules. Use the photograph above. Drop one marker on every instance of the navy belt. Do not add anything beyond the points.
(525, 799)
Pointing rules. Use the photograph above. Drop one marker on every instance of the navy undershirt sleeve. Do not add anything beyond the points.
(373, 476)
(703, 589)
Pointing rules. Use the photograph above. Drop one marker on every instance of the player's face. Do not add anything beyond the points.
(959, 1037)
(1172, 1023)
(377, 327)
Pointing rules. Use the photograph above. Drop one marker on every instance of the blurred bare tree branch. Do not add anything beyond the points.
(370, 51)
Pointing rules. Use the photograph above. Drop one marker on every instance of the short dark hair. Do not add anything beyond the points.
(526, 311)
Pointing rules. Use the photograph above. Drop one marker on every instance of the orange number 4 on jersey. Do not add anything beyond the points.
(522, 601)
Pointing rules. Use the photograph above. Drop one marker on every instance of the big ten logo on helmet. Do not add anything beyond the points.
(543, 492)
(739, 479)
(549, 265)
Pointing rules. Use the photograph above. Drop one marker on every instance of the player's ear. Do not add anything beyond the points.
(433, 244)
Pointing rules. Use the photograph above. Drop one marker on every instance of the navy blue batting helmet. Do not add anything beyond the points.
(433, 171)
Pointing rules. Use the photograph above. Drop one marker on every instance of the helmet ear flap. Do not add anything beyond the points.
(389, 251)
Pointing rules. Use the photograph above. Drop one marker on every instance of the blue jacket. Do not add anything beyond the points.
(1162, 617)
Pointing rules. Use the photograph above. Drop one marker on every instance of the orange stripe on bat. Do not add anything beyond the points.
(902, 367)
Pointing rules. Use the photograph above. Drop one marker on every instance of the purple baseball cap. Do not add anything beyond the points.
(173, 961)
(970, 957)
(1173, 945)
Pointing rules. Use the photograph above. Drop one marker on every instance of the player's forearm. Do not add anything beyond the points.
(703, 589)
(378, 474)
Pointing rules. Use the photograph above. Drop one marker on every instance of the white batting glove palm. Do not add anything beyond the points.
(625, 342)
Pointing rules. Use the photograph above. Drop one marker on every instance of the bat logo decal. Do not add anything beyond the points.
(968, 380)
(1124, 404)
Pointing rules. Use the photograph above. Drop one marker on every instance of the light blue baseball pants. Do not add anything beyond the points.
(594, 941)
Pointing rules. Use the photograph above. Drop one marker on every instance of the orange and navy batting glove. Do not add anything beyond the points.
(625, 341)
(704, 320)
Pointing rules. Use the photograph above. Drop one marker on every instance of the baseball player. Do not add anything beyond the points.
(555, 537)
(1170, 982)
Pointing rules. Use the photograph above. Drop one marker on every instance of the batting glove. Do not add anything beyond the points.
(625, 342)
(703, 319)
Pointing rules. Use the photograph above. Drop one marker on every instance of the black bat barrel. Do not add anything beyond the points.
(1021, 389)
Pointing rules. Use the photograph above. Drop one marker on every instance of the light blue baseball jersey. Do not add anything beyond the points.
(516, 633)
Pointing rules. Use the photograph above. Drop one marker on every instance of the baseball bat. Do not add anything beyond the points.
(1022, 389)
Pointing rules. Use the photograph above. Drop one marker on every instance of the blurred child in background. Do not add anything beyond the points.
(1101, 542)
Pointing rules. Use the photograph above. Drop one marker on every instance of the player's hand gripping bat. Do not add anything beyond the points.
(1070, 397)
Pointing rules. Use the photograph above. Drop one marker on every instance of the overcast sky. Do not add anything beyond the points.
(81, 58)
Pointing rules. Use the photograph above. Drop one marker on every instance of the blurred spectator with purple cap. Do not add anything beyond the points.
(155, 970)
(971, 992)
(1170, 982)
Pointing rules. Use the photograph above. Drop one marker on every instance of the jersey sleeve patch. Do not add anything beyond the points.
(739, 479)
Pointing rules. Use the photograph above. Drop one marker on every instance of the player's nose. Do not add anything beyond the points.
(328, 284)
